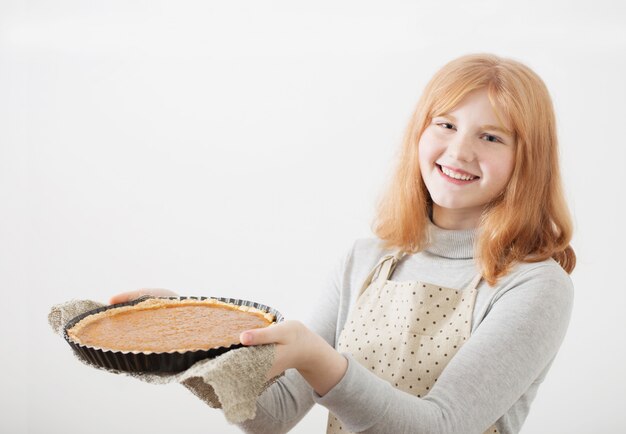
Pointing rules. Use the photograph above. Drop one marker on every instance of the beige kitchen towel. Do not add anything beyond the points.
(232, 381)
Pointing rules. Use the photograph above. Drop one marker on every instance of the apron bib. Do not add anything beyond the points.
(406, 332)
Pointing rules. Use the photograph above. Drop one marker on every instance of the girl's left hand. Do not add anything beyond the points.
(131, 295)
(298, 347)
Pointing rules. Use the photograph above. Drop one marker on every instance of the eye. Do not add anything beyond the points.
(492, 138)
(446, 125)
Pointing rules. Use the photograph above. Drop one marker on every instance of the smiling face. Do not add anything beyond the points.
(466, 158)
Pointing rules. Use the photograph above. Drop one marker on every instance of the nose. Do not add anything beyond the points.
(461, 148)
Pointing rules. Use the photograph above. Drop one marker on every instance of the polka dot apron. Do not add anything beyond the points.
(406, 332)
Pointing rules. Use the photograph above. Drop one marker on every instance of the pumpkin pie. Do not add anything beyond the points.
(161, 325)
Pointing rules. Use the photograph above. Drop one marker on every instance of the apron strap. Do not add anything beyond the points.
(475, 281)
(384, 268)
(473, 289)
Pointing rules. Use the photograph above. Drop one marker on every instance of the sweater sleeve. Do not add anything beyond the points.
(516, 341)
(290, 398)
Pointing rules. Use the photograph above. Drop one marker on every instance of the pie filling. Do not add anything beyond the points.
(163, 325)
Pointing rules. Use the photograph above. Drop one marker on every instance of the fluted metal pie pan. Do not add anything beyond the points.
(169, 362)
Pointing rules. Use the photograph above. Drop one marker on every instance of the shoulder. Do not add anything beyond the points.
(541, 282)
(367, 252)
(360, 259)
(548, 271)
(370, 246)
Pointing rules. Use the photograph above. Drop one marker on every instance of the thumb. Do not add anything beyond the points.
(260, 336)
(252, 337)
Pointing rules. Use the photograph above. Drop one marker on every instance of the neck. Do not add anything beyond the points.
(455, 219)
(454, 244)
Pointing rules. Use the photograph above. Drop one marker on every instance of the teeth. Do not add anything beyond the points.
(455, 175)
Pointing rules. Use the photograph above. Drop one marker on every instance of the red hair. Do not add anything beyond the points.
(529, 221)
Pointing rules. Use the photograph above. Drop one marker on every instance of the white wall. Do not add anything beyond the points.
(237, 148)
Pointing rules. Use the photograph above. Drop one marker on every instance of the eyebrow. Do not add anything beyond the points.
(496, 128)
(482, 127)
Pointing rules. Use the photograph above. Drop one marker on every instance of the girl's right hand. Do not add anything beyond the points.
(131, 295)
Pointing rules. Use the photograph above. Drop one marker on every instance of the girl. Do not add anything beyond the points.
(448, 320)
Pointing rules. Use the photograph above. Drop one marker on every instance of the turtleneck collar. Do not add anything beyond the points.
(453, 244)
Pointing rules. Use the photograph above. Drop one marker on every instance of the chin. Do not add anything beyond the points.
(450, 203)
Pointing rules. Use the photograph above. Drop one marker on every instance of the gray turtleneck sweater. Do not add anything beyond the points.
(518, 326)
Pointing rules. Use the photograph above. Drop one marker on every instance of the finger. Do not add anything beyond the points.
(125, 296)
(157, 292)
(274, 334)
(252, 337)
(131, 295)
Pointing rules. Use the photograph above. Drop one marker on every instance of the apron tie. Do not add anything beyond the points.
(383, 269)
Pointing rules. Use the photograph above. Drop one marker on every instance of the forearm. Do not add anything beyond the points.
(368, 404)
(324, 367)
(281, 406)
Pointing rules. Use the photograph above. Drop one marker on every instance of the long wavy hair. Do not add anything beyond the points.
(529, 221)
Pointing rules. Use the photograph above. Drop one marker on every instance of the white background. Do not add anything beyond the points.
(237, 148)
